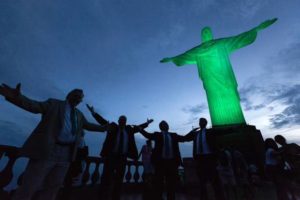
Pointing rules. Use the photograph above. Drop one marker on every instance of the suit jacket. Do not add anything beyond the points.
(42, 140)
(111, 138)
(210, 139)
(157, 137)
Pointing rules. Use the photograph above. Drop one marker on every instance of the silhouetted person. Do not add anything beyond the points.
(204, 154)
(119, 145)
(291, 154)
(226, 173)
(274, 168)
(240, 168)
(53, 143)
(146, 153)
(165, 158)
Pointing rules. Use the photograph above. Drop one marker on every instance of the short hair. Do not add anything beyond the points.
(279, 137)
(161, 125)
(270, 143)
(123, 116)
(74, 91)
(203, 119)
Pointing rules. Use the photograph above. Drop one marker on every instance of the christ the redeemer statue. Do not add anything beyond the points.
(215, 70)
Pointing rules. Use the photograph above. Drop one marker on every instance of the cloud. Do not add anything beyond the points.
(248, 8)
(290, 97)
(283, 94)
(278, 86)
(247, 92)
(194, 112)
(287, 61)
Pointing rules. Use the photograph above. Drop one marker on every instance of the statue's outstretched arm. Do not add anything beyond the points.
(265, 24)
(180, 60)
(246, 38)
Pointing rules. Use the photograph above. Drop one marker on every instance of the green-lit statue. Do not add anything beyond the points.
(212, 59)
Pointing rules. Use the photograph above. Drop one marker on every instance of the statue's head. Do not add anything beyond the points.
(206, 34)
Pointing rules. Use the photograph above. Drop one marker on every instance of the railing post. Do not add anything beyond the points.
(136, 175)
(128, 174)
(86, 173)
(96, 174)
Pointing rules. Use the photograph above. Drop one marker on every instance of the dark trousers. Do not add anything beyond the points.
(207, 172)
(113, 173)
(168, 170)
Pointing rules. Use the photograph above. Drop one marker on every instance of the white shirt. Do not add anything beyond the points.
(125, 142)
(205, 146)
(270, 158)
(65, 135)
(168, 147)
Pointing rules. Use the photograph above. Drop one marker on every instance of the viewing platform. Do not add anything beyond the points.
(86, 185)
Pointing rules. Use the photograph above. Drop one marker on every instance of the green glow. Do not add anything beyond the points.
(216, 73)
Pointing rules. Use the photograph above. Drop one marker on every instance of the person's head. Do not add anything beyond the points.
(202, 122)
(122, 121)
(148, 142)
(280, 140)
(206, 34)
(163, 126)
(75, 97)
(270, 143)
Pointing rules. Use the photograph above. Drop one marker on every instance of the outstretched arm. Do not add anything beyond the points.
(149, 136)
(180, 60)
(14, 96)
(96, 116)
(246, 38)
(94, 127)
(136, 129)
(188, 137)
(265, 24)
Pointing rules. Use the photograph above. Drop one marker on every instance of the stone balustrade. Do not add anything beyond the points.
(92, 170)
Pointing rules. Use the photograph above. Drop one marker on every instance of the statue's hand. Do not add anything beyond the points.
(9, 92)
(165, 60)
(265, 24)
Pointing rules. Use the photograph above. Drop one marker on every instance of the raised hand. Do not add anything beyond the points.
(165, 60)
(266, 23)
(149, 121)
(9, 92)
(91, 108)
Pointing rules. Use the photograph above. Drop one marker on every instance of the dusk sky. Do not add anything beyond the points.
(112, 48)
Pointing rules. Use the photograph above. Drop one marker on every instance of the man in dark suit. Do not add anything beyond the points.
(166, 159)
(53, 143)
(119, 145)
(204, 154)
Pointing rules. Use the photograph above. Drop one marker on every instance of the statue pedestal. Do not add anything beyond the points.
(245, 138)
